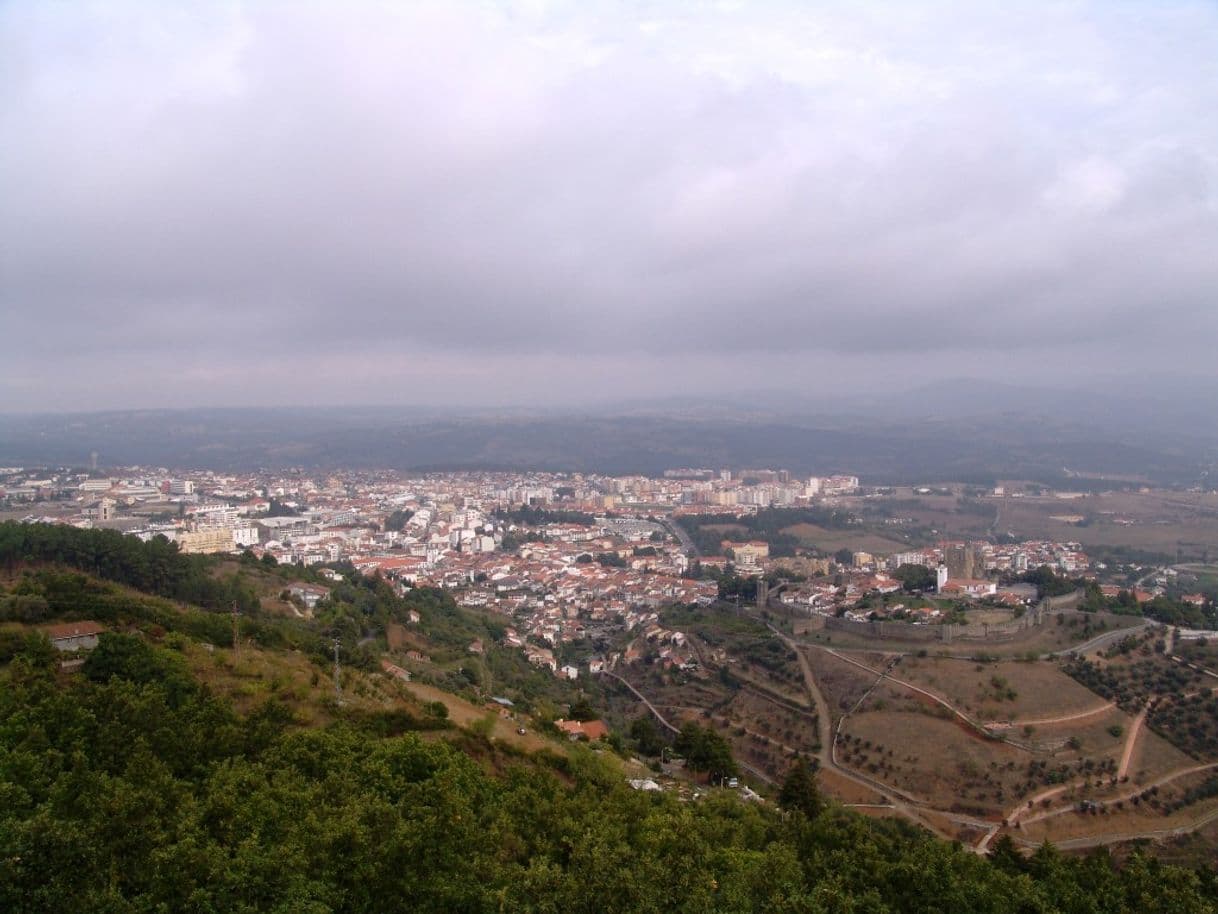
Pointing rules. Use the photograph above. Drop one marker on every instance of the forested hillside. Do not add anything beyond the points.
(154, 779)
(130, 788)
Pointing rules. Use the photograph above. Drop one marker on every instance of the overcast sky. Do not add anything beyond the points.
(226, 203)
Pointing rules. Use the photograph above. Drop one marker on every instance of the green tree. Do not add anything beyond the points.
(397, 520)
(705, 750)
(799, 790)
(915, 578)
(646, 734)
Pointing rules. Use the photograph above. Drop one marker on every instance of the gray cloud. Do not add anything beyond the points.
(225, 203)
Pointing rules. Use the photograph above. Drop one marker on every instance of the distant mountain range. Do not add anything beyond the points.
(959, 430)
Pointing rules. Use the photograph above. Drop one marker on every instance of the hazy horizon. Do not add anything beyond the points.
(553, 205)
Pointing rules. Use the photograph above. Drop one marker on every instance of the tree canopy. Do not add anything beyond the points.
(132, 788)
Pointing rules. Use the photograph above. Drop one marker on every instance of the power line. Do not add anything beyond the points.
(338, 673)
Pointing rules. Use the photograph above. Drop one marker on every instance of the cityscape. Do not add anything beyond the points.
(609, 457)
(568, 558)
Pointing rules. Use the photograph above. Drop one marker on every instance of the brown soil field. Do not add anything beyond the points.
(935, 759)
(888, 696)
(790, 690)
(939, 512)
(1041, 690)
(1091, 732)
(1161, 520)
(1128, 821)
(829, 541)
(848, 791)
(877, 660)
(749, 710)
(841, 683)
(986, 616)
(762, 754)
(1199, 849)
(1153, 757)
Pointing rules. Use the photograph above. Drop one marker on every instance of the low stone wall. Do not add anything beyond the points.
(998, 631)
(901, 631)
(1066, 601)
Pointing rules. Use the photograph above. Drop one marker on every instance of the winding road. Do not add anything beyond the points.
(1102, 641)
(921, 811)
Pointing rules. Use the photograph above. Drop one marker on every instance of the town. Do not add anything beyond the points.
(565, 557)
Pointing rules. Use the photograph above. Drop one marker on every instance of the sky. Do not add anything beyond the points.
(491, 203)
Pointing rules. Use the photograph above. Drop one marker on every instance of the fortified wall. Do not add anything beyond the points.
(996, 631)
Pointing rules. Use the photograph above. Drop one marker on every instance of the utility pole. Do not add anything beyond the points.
(338, 672)
(236, 632)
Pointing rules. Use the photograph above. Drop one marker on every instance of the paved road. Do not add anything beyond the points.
(682, 537)
(1102, 641)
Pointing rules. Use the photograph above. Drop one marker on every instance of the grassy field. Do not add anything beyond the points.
(254, 676)
(1007, 690)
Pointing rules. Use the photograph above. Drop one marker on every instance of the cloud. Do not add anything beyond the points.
(196, 192)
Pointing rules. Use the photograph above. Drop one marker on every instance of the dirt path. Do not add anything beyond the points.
(465, 714)
(824, 735)
(751, 769)
(909, 685)
(641, 697)
(1128, 795)
(1023, 814)
(1154, 835)
(1127, 754)
(1064, 718)
(900, 802)
(1102, 640)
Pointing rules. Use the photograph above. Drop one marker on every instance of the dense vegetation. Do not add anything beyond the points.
(1166, 609)
(1191, 722)
(529, 516)
(54, 594)
(357, 611)
(1132, 684)
(397, 519)
(1181, 708)
(155, 566)
(129, 789)
(1177, 612)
